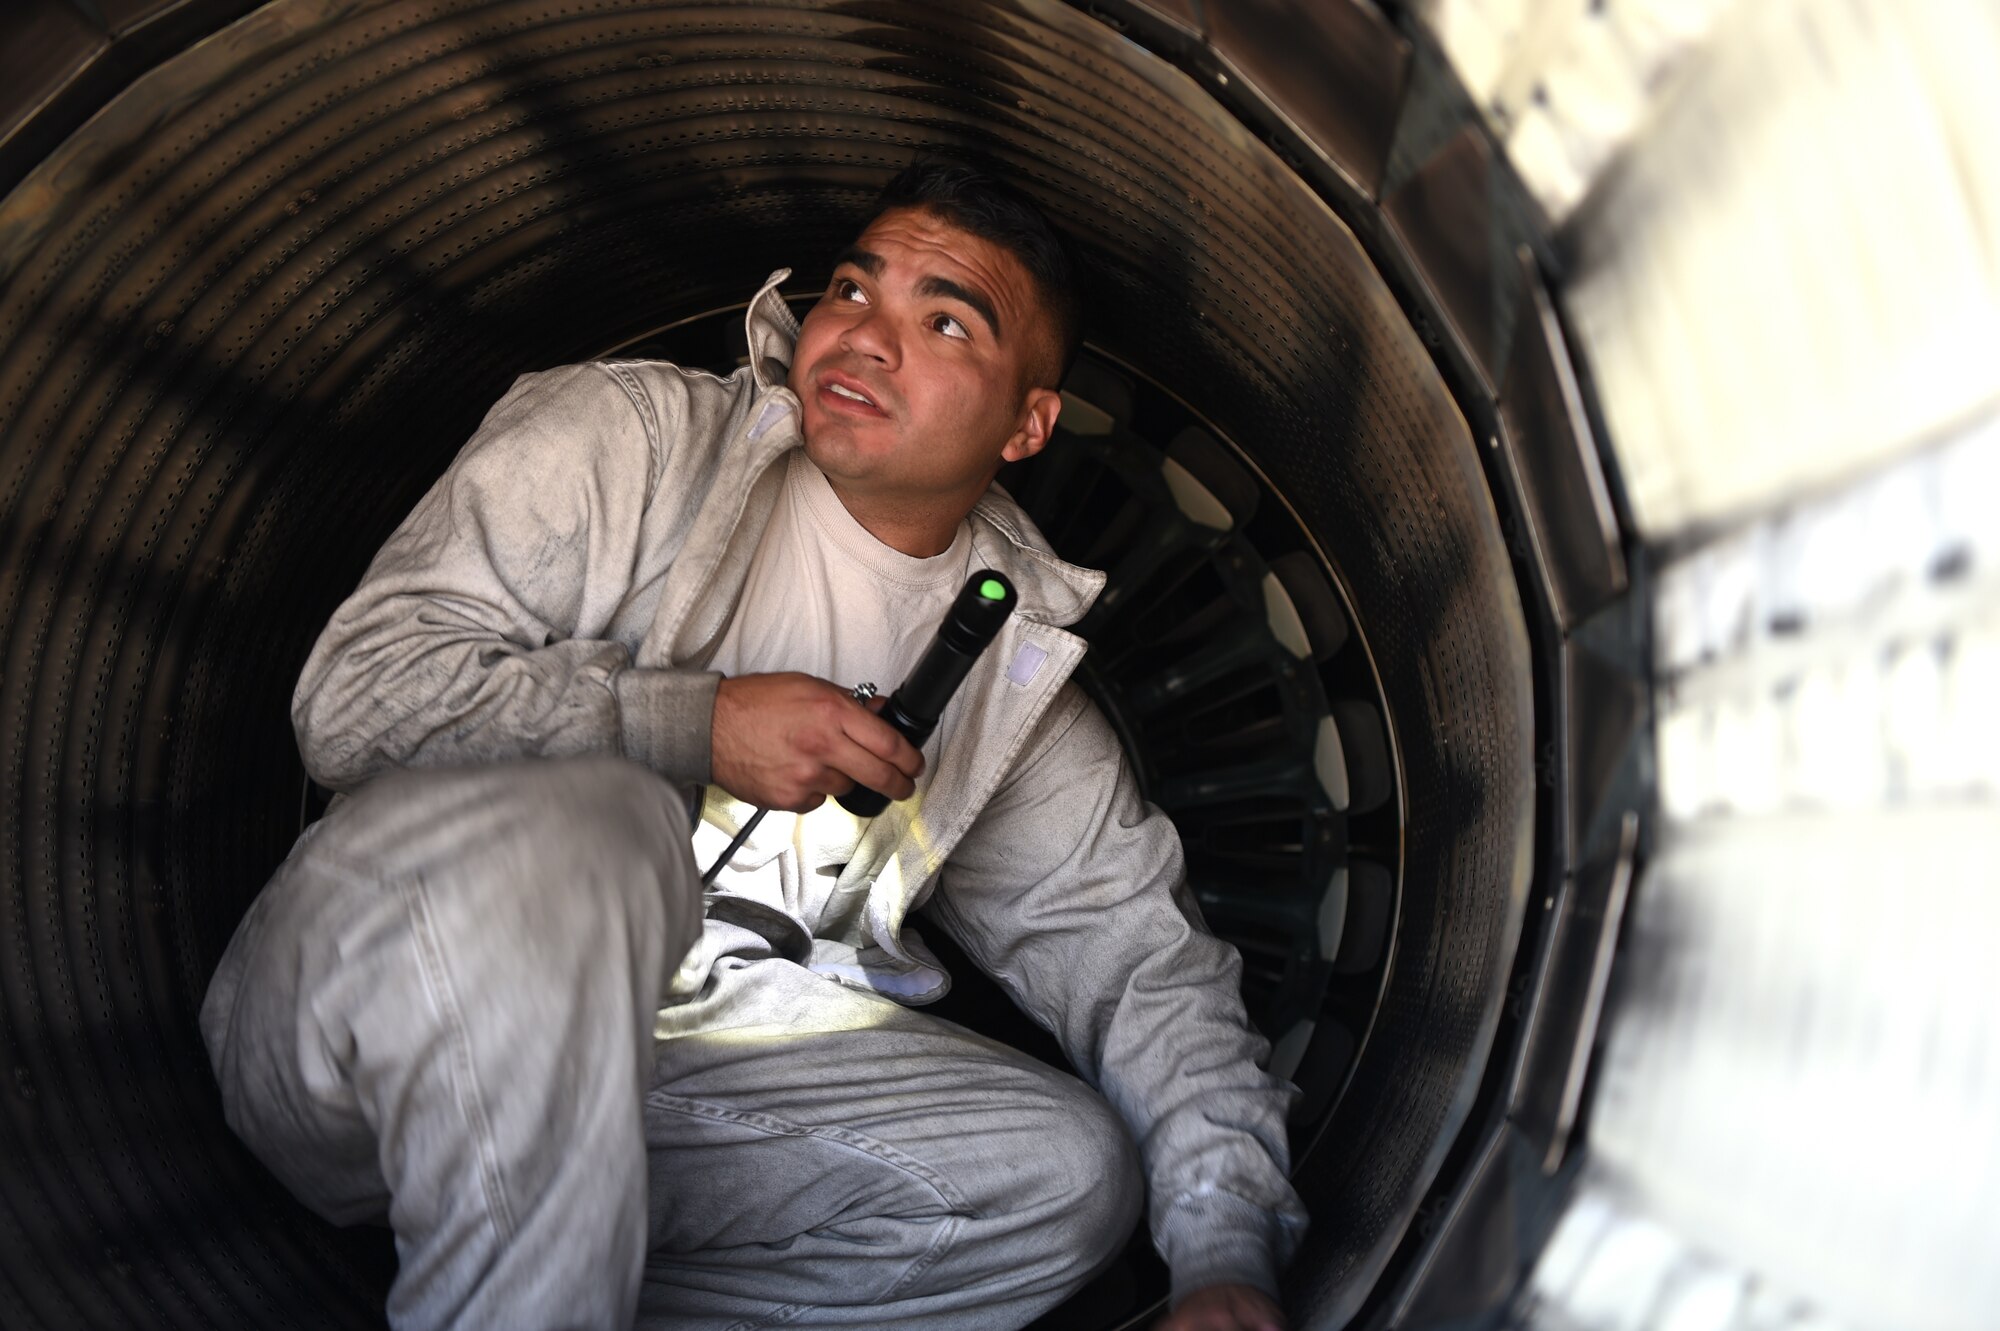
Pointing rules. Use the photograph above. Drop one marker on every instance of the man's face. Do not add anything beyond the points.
(916, 369)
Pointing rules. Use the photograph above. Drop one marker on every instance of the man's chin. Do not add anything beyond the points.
(840, 451)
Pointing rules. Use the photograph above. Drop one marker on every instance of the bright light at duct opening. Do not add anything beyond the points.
(1781, 223)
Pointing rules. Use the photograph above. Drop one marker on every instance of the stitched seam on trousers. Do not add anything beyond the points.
(930, 1257)
(789, 1313)
(924, 1262)
(848, 1137)
(782, 1127)
(460, 1042)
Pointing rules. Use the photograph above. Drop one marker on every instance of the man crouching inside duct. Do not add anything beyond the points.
(488, 996)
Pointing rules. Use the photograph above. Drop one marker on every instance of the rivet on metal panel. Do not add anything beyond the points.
(1603, 706)
(1444, 214)
(1555, 454)
(1335, 69)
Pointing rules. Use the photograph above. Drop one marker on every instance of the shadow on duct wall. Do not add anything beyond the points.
(251, 309)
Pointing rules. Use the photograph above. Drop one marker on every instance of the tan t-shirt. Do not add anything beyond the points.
(824, 597)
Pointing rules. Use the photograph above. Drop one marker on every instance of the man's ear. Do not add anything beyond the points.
(1038, 422)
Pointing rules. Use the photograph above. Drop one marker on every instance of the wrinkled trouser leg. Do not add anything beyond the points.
(826, 1158)
(440, 1009)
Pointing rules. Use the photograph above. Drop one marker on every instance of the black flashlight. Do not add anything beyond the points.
(974, 619)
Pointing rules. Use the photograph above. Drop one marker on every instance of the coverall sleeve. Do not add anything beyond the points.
(477, 632)
(1071, 891)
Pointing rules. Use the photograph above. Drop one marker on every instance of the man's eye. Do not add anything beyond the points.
(950, 327)
(845, 289)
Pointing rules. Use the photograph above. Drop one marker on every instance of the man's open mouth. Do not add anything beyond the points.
(848, 392)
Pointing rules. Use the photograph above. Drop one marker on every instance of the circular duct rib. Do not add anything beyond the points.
(254, 307)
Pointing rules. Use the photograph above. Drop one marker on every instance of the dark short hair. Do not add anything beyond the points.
(980, 203)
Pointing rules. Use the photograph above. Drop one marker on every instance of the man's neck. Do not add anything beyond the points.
(919, 530)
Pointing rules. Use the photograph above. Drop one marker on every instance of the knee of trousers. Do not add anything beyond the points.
(1094, 1185)
(548, 858)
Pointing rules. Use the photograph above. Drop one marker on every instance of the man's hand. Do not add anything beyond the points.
(1224, 1308)
(788, 741)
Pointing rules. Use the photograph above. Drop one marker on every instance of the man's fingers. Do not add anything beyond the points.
(862, 765)
(784, 741)
(884, 742)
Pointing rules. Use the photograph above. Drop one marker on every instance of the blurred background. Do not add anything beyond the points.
(1782, 219)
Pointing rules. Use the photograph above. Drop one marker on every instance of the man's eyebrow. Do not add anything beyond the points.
(867, 261)
(950, 290)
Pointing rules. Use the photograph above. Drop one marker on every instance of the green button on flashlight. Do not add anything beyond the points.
(993, 590)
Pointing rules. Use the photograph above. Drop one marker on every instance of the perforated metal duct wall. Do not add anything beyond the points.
(252, 308)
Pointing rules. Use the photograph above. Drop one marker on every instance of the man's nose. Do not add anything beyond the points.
(875, 336)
